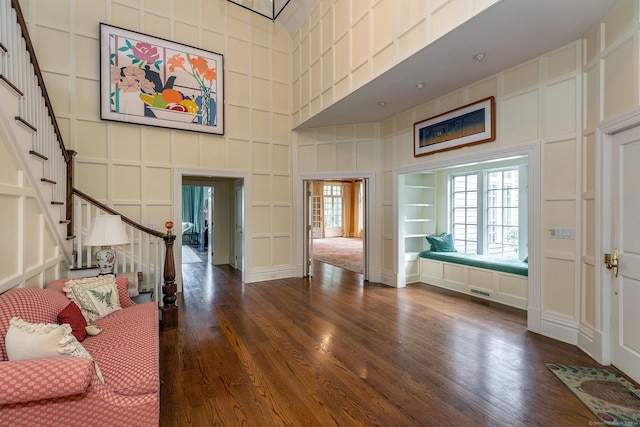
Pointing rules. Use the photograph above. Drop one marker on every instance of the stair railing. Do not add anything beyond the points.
(144, 253)
(40, 138)
(20, 72)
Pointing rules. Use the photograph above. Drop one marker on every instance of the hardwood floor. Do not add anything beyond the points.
(334, 351)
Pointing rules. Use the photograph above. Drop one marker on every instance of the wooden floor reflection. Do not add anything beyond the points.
(334, 351)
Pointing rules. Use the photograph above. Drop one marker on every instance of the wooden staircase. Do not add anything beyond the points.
(27, 119)
(28, 114)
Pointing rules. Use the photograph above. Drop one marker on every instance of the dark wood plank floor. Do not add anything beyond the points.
(334, 351)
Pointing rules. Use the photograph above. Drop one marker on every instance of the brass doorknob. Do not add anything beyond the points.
(611, 261)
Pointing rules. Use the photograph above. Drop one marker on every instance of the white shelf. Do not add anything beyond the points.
(411, 256)
(419, 213)
(419, 187)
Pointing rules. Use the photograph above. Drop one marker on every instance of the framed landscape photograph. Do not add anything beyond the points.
(472, 124)
(157, 82)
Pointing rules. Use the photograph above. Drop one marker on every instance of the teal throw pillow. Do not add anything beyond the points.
(442, 243)
(526, 260)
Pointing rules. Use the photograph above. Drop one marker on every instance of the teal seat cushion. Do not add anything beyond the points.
(441, 243)
(512, 266)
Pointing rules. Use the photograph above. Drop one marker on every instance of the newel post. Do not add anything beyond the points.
(69, 193)
(169, 289)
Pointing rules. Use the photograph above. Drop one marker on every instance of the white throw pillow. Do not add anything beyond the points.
(26, 341)
(96, 296)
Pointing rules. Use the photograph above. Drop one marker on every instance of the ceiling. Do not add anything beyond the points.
(508, 33)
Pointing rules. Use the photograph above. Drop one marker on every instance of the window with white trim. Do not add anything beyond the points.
(464, 212)
(488, 211)
(502, 213)
(332, 198)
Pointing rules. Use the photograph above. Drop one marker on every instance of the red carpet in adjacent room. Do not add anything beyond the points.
(339, 251)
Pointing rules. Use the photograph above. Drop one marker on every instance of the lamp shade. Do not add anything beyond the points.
(106, 230)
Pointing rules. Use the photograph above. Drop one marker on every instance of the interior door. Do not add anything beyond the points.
(316, 214)
(625, 236)
(309, 232)
(209, 230)
(365, 222)
(239, 226)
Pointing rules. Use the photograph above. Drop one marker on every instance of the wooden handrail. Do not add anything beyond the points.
(32, 55)
(113, 212)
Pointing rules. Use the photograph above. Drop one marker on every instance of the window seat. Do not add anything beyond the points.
(492, 279)
(511, 266)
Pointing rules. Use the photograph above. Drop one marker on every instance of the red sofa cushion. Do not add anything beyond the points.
(73, 316)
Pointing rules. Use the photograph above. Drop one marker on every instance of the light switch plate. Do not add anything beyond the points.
(561, 233)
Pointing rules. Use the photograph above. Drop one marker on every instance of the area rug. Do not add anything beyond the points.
(189, 256)
(613, 399)
(339, 251)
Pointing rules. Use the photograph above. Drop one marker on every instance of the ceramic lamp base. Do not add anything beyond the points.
(106, 259)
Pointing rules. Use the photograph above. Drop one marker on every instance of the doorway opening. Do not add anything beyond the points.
(335, 224)
(196, 218)
(211, 213)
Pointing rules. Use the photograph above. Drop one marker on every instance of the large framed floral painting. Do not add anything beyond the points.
(157, 82)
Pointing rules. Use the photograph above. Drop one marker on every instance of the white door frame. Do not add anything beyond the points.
(369, 220)
(238, 217)
(178, 174)
(602, 334)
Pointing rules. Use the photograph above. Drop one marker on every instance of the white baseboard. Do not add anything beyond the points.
(590, 341)
(559, 329)
(263, 274)
(534, 320)
(389, 278)
(412, 278)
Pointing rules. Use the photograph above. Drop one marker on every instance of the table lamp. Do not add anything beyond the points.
(106, 231)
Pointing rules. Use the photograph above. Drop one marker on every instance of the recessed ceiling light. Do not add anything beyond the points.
(382, 104)
(479, 57)
(420, 85)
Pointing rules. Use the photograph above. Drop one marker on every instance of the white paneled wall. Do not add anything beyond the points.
(30, 256)
(537, 103)
(132, 168)
(344, 44)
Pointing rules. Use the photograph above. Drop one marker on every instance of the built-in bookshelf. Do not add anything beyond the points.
(418, 214)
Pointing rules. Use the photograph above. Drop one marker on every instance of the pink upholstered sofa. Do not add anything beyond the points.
(66, 391)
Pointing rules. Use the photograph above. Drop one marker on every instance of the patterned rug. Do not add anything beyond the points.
(339, 251)
(189, 256)
(613, 399)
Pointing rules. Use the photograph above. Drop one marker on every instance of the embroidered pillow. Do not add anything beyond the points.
(72, 316)
(96, 296)
(26, 341)
(442, 243)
